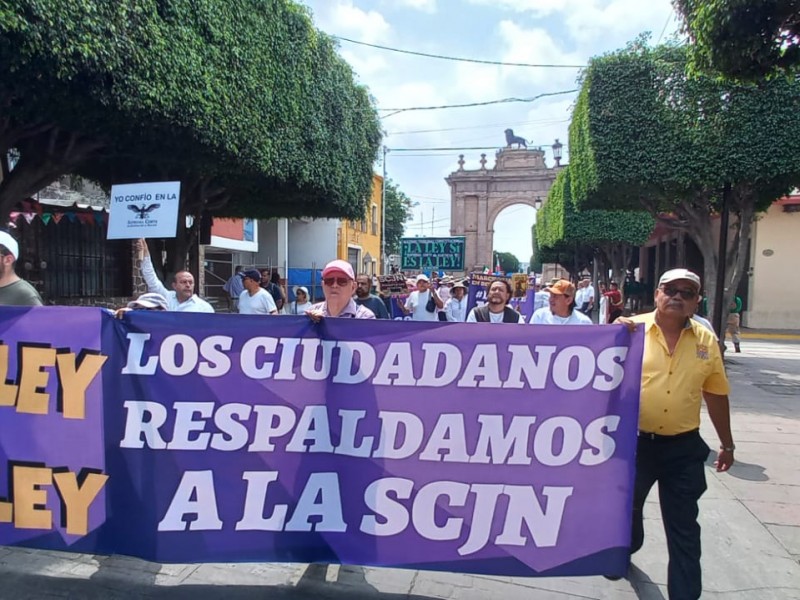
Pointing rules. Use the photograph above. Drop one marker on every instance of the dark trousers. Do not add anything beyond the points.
(678, 467)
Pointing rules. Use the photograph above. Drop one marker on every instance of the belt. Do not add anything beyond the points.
(646, 435)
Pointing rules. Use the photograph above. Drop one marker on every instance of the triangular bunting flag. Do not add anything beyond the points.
(99, 218)
(46, 217)
(71, 216)
(14, 215)
(85, 218)
(57, 217)
(28, 216)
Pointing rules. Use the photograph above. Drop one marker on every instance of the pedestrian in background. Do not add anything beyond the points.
(456, 307)
(365, 297)
(417, 304)
(255, 300)
(234, 288)
(734, 320)
(301, 301)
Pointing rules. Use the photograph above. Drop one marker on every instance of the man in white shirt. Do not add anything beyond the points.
(496, 309)
(541, 298)
(255, 300)
(182, 297)
(456, 306)
(562, 307)
(584, 299)
(417, 302)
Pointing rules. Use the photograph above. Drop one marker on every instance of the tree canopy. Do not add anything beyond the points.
(564, 230)
(742, 39)
(243, 96)
(507, 261)
(398, 212)
(645, 134)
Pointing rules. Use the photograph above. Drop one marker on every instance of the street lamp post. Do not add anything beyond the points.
(383, 215)
(557, 146)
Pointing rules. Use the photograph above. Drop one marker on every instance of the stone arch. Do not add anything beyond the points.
(478, 196)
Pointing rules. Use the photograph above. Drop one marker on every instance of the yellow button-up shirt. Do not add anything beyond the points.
(672, 384)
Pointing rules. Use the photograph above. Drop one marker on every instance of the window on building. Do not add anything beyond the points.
(374, 220)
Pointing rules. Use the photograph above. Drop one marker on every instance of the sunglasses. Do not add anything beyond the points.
(685, 294)
(340, 281)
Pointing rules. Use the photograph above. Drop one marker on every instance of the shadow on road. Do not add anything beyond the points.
(748, 471)
(645, 588)
(115, 584)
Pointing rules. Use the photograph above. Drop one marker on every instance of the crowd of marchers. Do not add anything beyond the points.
(681, 368)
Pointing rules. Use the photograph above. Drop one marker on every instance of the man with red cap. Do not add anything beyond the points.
(338, 285)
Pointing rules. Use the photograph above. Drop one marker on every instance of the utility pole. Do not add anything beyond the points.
(433, 218)
(383, 215)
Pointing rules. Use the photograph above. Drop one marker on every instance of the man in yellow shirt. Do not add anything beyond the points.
(682, 364)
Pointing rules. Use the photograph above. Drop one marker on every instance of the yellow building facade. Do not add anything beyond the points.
(359, 242)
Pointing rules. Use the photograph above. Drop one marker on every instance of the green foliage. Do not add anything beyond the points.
(643, 130)
(398, 211)
(508, 262)
(742, 39)
(560, 224)
(244, 94)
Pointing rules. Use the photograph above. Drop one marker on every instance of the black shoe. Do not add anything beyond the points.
(613, 577)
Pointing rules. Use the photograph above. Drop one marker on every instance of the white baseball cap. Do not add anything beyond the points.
(422, 277)
(677, 275)
(10, 243)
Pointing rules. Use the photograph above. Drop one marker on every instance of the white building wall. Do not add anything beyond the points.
(312, 243)
(774, 284)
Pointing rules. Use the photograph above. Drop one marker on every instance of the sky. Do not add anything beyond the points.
(551, 32)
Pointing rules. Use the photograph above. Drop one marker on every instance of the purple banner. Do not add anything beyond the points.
(182, 438)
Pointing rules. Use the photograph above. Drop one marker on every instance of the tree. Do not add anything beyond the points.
(608, 234)
(398, 212)
(507, 261)
(742, 39)
(644, 134)
(244, 102)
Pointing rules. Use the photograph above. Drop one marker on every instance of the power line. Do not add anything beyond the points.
(394, 111)
(537, 122)
(460, 59)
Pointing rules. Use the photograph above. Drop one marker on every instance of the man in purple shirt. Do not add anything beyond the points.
(338, 285)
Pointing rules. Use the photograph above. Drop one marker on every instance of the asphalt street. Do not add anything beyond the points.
(750, 518)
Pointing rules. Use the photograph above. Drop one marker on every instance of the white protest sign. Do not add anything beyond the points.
(142, 210)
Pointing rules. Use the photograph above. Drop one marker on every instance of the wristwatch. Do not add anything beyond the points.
(730, 448)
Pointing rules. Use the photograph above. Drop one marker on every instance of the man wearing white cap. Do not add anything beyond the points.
(417, 303)
(339, 285)
(13, 290)
(682, 364)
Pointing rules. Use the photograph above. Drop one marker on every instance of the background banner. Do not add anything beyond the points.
(479, 286)
(177, 437)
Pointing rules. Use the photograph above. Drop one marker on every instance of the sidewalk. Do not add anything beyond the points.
(750, 518)
(770, 334)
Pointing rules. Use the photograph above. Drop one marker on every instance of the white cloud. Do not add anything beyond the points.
(428, 6)
(343, 18)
